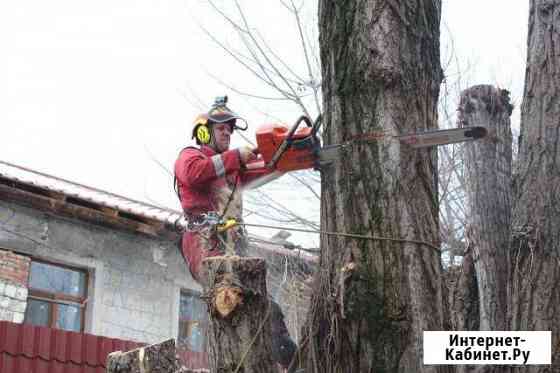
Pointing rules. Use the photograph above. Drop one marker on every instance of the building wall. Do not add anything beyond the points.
(289, 281)
(134, 280)
(14, 271)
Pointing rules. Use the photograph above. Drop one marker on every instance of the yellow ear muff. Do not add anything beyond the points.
(203, 134)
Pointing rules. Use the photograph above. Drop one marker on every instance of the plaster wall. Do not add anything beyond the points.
(134, 280)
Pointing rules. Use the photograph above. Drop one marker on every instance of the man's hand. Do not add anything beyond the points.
(247, 154)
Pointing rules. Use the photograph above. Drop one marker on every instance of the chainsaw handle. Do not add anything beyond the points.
(303, 118)
(317, 125)
(288, 141)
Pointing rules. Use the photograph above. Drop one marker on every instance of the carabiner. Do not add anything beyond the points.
(229, 223)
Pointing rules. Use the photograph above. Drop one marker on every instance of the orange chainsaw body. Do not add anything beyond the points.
(300, 155)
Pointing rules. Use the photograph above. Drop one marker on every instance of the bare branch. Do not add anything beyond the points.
(304, 47)
(228, 86)
(297, 99)
(241, 62)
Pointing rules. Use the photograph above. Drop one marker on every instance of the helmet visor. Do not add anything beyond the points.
(222, 114)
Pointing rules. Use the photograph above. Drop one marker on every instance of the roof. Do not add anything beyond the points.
(103, 198)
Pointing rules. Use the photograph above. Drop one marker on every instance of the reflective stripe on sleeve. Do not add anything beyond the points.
(218, 165)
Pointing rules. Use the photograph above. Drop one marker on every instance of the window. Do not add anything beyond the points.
(57, 296)
(193, 322)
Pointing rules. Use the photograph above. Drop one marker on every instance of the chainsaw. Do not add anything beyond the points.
(282, 148)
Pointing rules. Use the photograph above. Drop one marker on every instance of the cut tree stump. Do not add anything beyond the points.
(156, 358)
(239, 337)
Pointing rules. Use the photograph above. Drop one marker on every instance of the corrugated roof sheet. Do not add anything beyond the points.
(28, 348)
(103, 198)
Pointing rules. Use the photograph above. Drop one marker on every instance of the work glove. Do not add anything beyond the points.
(247, 154)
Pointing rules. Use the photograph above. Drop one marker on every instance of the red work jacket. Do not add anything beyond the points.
(209, 181)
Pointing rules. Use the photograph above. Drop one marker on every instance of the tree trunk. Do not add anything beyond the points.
(374, 298)
(487, 165)
(239, 337)
(463, 299)
(156, 358)
(463, 295)
(536, 218)
(489, 192)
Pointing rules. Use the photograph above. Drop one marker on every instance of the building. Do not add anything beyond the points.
(80, 259)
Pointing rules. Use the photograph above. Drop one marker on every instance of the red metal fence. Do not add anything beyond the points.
(27, 348)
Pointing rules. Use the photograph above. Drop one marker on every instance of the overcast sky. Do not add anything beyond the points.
(93, 91)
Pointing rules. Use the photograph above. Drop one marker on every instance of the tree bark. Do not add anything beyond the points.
(156, 358)
(488, 170)
(488, 191)
(374, 298)
(536, 218)
(239, 338)
(463, 299)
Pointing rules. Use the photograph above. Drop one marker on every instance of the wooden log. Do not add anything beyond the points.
(156, 358)
(239, 327)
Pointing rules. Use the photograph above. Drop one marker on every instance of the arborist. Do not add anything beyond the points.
(209, 180)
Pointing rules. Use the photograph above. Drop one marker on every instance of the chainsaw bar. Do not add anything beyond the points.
(443, 137)
(330, 153)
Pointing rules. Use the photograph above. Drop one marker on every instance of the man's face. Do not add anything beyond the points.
(222, 135)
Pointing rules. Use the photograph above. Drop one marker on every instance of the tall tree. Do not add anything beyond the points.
(536, 219)
(381, 73)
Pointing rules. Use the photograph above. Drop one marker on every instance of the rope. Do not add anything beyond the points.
(349, 235)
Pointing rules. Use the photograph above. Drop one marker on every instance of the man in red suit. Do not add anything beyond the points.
(209, 179)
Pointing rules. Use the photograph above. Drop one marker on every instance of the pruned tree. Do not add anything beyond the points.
(374, 298)
(535, 273)
(479, 297)
(488, 167)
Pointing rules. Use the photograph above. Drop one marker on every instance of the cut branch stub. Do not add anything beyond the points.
(226, 299)
(239, 323)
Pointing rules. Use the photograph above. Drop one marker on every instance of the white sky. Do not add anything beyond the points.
(91, 91)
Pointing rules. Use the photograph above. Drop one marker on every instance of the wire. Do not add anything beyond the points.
(341, 234)
(349, 235)
(286, 245)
